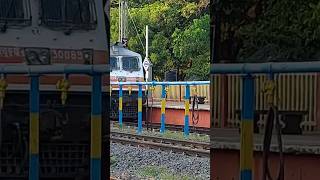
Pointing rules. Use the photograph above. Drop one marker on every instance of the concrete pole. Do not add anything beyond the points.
(147, 41)
(120, 27)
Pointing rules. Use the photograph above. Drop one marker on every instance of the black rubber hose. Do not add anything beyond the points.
(279, 137)
(271, 119)
(195, 108)
(267, 143)
(151, 110)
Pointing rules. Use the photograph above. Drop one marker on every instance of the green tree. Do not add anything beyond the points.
(287, 30)
(191, 50)
(167, 21)
(273, 30)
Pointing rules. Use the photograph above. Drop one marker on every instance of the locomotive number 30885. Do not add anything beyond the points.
(66, 54)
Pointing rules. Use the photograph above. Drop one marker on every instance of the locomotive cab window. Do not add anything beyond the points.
(130, 64)
(114, 63)
(14, 13)
(72, 14)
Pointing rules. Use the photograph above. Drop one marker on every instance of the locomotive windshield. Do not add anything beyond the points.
(11, 9)
(130, 64)
(79, 14)
(114, 63)
(14, 12)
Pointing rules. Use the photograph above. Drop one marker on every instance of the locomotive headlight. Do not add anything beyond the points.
(31, 57)
(44, 56)
(122, 79)
(37, 56)
(87, 56)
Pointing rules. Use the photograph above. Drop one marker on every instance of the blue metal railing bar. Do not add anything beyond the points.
(54, 69)
(163, 101)
(246, 146)
(96, 72)
(155, 83)
(272, 67)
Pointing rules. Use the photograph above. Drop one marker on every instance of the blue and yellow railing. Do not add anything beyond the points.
(164, 91)
(163, 109)
(248, 99)
(35, 72)
(34, 129)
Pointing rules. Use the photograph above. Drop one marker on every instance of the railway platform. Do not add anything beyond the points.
(175, 113)
(267, 98)
(301, 155)
(167, 112)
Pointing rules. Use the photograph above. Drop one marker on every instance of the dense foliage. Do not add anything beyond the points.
(178, 35)
(251, 30)
(270, 30)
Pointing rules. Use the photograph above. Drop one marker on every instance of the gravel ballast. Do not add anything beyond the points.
(133, 162)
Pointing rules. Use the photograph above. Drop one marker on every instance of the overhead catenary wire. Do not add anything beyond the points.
(135, 27)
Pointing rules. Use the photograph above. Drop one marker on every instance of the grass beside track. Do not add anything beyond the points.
(178, 135)
(155, 172)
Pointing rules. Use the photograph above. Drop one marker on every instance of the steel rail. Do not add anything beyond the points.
(154, 138)
(180, 146)
(198, 130)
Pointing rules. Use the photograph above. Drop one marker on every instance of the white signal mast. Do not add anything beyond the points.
(146, 63)
(123, 21)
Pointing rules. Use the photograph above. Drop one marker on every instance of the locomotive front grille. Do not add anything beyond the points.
(66, 159)
(10, 164)
(127, 111)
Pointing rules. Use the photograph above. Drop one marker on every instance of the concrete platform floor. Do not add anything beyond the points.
(301, 156)
(230, 139)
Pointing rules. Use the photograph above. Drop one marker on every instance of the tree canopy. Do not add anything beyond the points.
(178, 35)
(251, 30)
(270, 30)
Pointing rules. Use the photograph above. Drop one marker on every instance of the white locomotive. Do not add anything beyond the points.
(126, 66)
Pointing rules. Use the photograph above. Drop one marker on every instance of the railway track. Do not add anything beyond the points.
(169, 127)
(178, 146)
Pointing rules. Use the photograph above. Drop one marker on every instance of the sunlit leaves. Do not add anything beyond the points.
(170, 22)
(288, 29)
(189, 10)
(191, 45)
